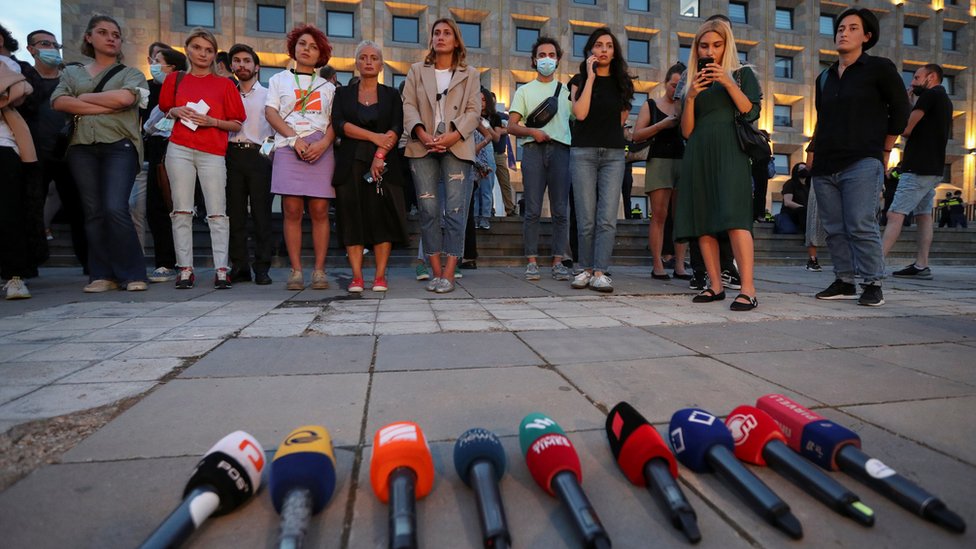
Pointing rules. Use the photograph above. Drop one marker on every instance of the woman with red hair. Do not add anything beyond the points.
(298, 107)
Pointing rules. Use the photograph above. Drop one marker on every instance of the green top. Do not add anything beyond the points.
(105, 128)
(530, 95)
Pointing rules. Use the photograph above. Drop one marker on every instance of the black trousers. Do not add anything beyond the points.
(470, 234)
(249, 182)
(16, 258)
(58, 171)
(157, 214)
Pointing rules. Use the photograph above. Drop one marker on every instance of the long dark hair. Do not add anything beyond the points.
(618, 68)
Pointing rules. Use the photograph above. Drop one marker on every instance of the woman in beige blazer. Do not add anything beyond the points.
(441, 109)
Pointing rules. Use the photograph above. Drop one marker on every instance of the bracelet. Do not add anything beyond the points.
(379, 154)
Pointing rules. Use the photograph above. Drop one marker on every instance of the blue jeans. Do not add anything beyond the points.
(545, 165)
(598, 176)
(484, 196)
(105, 173)
(848, 202)
(427, 172)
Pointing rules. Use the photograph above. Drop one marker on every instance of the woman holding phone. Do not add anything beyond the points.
(716, 180)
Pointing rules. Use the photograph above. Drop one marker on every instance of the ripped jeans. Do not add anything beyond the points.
(184, 166)
(427, 172)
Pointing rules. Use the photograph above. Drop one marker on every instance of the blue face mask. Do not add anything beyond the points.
(51, 58)
(546, 66)
(156, 70)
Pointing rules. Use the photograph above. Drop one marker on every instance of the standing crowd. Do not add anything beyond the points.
(219, 145)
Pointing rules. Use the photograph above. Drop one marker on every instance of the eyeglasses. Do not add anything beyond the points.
(47, 44)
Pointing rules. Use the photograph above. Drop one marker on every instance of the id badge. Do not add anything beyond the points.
(303, 126)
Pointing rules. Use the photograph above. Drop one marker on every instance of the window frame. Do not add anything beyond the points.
(792, 18)
(393, 29)
(468, 24)
(647, 51)
(528, 49)
(284, 17)
(745, 12)
(213, 13)
(776, 68)
(913, 30)
(953, 38)
(830, 24)
(776, 117)
(328, 23)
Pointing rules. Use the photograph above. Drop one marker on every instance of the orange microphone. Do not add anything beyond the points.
(401, 471)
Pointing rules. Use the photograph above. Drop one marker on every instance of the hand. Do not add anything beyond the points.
(590, 71)
(444, 142)
(314, 151)
(376, 168)
(301, 147)
(385, 141)
(698, 85)
(426, 139)
(669, 122)
(182, 113)
(716, 73)
(540, 136)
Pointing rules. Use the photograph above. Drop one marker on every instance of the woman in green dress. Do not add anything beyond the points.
(716, 184)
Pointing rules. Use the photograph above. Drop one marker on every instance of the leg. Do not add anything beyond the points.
(212, 170)
(137, 207)
(121, 164)
(355, 254)
(533, 186)
(660, 198)
(292, 208)
(830, 205)
(260, 197)
(583, 162)
(182, 179)
(742, 244)
(504, 181)
(426, 174)
(458, 187)
(14, 251)
(924, 239)
(708, 245)
(892, 230)
(382, 251)
(558, 184)
(71, 207)
(861, 186)
(237, 196)
(318, 210)
(86, 165)
(610, 175)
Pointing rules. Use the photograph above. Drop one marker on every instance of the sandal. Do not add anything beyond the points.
(656, 276)
(708, 295)
(740, 306)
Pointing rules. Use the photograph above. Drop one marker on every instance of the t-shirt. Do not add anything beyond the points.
(601, 127)
(443, 77)
(222, 97)
(287, 91)
(800, 192)
(925, 149)
(531, 95)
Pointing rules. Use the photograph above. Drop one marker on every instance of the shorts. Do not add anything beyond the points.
(915, 194)
(661, 173)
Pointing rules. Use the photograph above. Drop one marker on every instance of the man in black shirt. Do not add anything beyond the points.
(957, 211)
(927, 133)
(861, 111)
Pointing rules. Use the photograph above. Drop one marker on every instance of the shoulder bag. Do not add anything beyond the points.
(545, 111)
(752, 141)
(637, 152)
(64, 136)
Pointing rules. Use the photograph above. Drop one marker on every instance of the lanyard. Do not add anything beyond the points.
(308, 91)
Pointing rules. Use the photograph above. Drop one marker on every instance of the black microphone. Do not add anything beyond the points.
(479, 460)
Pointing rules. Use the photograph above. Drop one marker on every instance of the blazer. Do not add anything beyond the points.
(462, 109)
(345, 109)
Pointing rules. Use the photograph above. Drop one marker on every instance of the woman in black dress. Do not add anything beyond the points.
(368, 117)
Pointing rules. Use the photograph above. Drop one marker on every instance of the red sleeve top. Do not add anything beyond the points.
(225, 104)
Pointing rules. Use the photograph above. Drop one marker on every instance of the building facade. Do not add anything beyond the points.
(788, 41)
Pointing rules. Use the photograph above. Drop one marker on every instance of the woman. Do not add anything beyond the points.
(601, 94)
(658, 121)
(716, 182)
(196, 149)
(298, 108)
(105, 153)
(368, 117)
(441, 109)
(483, 195)
(798, 199)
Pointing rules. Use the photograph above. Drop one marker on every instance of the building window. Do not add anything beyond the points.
(906, 76)
(579, 42)
(585, 2)
(784, 18)
(639, 99)
(406, 29)
(739, 12)
(339, 24)
(684, 54)
(784, 67)
(688, 8)
(909, 35)
(525, 38)
(782, 162)
(266, 73)
(639, 5)
(826, 24)
(949, 40)
(471, 34)
(743, 57)
(398, 79)
(200, 13)
(638, 51)
(271, 18)
(949, 83)
(343, 77)
(783, 115)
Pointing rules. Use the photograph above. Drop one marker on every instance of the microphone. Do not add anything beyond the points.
(303, 479)
(759, 441)
(555, 467)
(702, 443)
(401, 471)
(646, 460)
(834, 447)
(479, 460)
(227, 476)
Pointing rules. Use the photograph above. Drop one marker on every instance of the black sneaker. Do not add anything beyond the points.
(839, 290)
(912, 271)
(697, 282)
(813, 265)
(872, 296)
(731, 281)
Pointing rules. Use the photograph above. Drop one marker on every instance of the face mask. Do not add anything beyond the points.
(918, 90)
(803, 173)
(546, 66)
(50, 58)
(156, 70)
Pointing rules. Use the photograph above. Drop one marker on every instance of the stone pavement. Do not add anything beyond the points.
(266, 361)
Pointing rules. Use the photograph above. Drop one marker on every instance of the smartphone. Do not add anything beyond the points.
(704, 61)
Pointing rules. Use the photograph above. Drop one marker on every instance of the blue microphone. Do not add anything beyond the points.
(704, 444)
(479, 460)
(303, 479)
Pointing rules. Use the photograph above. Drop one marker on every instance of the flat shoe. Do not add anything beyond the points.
(682, 276)
(740, 306)
(708, 295)
(656, 276)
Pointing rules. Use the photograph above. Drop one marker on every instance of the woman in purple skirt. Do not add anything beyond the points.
(298, 107)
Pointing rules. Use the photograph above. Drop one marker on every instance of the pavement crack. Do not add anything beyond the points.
(358, 460)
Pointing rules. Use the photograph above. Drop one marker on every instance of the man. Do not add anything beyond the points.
(249, 173)
(957, 211)
(545, 157)
(944, 210)
(858, 121)
(927, 133)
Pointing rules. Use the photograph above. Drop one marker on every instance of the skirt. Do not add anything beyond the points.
(290, 175)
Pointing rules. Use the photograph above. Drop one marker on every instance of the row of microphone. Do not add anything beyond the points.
(777, 432)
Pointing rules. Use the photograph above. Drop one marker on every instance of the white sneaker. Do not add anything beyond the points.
(16, 289)
(162, 274)
(581, 280)
(601, 283)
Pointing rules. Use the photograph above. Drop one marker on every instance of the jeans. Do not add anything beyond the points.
(545, 165)
(137, 208)
(184, 165)
(598, 175)
(249, 181)
(848, 202)
(427, 172)
(105, 173)
(484, 196)
(915, 194)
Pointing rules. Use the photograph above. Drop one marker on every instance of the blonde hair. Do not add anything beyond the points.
(730, 58)
(460, 52)
(207, 36)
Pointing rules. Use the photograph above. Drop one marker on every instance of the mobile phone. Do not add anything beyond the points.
(703, 62)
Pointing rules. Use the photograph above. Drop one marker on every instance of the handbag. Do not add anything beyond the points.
(752, 141)
(545, 111)
(63, 139)
(637, 152)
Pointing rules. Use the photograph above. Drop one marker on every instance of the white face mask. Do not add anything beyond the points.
(546, 66)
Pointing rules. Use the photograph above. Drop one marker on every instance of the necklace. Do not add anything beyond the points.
(367, 97)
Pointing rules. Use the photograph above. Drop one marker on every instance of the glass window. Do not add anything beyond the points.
(585, 2)
(909, 35)
(739, 12)
(949, 83)
(783, 115)
(743, 57)
(339, 24)
(684, 53)
(826, 24)
(406, 29)
(949, 40)
(688, 8)
(271, 18)
(784, 18)
(199, 13)
(639, 99)
(471, 34)
(524, 38)
(782, 162)
(639, 5)
(579, 42)
(268, 72)
(638, 51)
(343, 77)
(906, 76)
(398, 79)
(784, 67)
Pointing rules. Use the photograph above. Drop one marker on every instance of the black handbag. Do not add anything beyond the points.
(754, 142)
(63, 139)
(545, 111)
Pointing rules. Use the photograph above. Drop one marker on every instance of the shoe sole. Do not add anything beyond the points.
(158, 279)
(837, 297)
(380, 289)
(913, 276)
(878, 304)
(355, 290)
(184, 287)
(602, 290)
(295, 287)
(423, 277)
(814, 270)
(14, 297)
(320, 286)
(539, 277)
(100, 290)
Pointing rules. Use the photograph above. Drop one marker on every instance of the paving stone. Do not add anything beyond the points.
(948, 360)
(342, 328)
(405, 316)
(38, 373)
(153, 322)
(600, 344)
(285, 320)
(20, 323)
(87, 323)
(524, 324)
(285, 356)
(13, 392)
(199, 332)
(221, 321)
(123, 334)
(521, 313)
(135, 369)
(188, 423)
(883, 331)
(15, 351)
(179, 349)
(273, 330)
(470, 326)
(78, 351)
(709, 339)
(44, 336)
(56, 400)
(398, 328)
(463, 315)
(454, 350)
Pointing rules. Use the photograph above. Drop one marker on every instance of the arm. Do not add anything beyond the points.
(115, 100)
(411, 114)
(788, 201)
(893, 94)
(518, 130)
(747, 98)
(73, 105)
(688, 113)
(16, 94)
(581, 106)
(913, 120)
(277, 123)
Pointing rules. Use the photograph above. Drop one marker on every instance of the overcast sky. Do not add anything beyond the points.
(23, 16)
